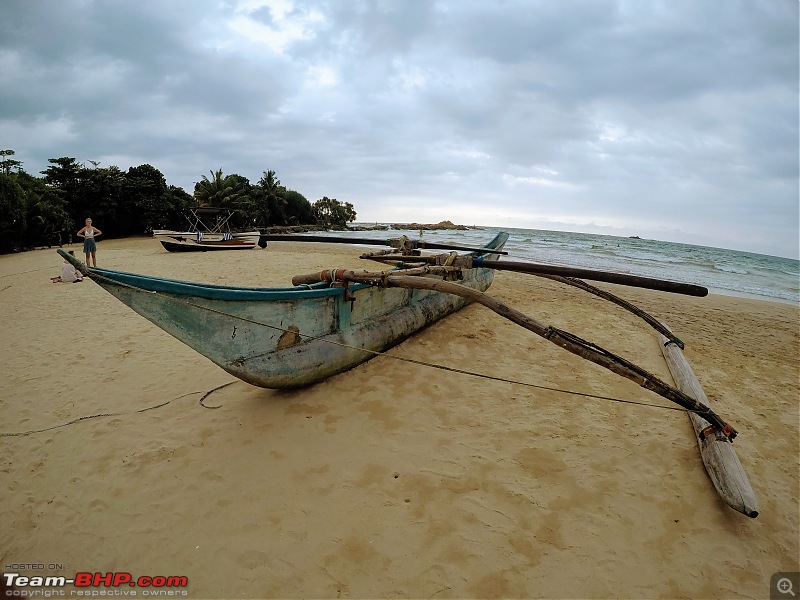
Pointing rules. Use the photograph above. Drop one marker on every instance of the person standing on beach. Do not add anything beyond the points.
(89, 246)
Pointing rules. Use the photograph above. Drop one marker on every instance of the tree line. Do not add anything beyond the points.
(47, 210)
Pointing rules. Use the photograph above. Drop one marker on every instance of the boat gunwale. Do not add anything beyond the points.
(210, 291)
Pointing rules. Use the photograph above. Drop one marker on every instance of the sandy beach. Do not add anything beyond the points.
(391, 480)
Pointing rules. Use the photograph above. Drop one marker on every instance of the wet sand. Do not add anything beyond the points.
(391, 480)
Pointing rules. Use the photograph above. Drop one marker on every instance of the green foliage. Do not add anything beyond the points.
(232, 191)
(63, 173)
(273, 197)
(329, 212)
(100, 196)
(222, 192)
(147, 200)
(241, 200)
(12, 212)
(298, 210)
(47, 210)
(8, 164)
(266, 202)
(64, 177)
(273, 204)
(179, 201)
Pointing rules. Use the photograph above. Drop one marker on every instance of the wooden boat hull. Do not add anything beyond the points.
(287, 337)
(240, 235)
(207, 245)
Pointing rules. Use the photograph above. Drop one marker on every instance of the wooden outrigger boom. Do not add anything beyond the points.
(469, 262)
(715, 436)
(412, 279)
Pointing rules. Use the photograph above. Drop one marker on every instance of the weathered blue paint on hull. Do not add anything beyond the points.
(286, 337)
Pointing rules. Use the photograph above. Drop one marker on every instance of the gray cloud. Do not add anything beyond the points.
(675, 120)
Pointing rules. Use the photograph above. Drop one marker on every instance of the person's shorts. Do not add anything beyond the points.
(89, 246)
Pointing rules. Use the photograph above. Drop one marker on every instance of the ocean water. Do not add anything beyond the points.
(722, 271)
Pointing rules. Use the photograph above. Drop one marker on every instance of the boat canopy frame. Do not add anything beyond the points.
(198, 223)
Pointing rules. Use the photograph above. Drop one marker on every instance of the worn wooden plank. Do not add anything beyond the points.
(717, 452)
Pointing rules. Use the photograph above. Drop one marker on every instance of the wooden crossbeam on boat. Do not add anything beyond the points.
(716, 450)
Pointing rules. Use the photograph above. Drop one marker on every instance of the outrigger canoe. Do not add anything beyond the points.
(332, 321)
(287, 337)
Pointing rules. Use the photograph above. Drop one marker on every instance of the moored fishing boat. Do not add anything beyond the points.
(236, 235)
(209, 231)
(201, 244)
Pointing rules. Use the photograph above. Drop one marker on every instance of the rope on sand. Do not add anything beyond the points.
(119, 414)
(207, 394)
(23, 272)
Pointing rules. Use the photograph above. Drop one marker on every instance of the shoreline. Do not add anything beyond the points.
(746, 296)
(391, 479)
(713, 291)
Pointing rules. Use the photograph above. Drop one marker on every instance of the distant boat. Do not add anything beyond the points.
(203, 237)
(179, 244)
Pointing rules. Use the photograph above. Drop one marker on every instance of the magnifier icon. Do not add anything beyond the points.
(785, 586)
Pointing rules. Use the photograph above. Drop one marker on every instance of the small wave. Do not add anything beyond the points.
(650, 258)
(749, 291)
(605, 252)
(772, 270)
(729, 269)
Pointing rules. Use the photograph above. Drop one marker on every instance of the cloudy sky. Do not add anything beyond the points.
(670, 119)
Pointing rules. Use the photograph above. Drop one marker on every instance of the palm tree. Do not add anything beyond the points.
(207, 191)
(273, 198)
(221, 191)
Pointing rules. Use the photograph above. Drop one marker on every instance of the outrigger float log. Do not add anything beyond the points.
(718, 454)
(331, 321)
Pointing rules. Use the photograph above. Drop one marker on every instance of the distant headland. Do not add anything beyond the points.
(431, 227)
(441, 225)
